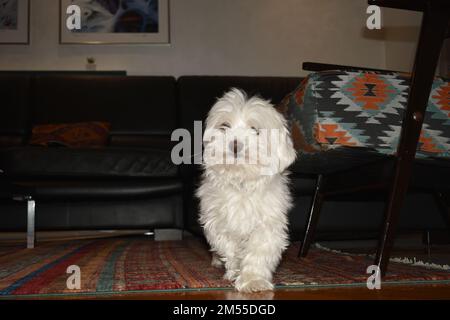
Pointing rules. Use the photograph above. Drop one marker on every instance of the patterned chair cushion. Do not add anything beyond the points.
(363, 109)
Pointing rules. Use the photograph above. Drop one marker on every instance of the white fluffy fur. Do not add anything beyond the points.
(244, 213)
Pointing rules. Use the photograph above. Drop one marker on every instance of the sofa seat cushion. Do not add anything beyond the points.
(332, 109)
(33, 161)
(329, 161)
(351, 163)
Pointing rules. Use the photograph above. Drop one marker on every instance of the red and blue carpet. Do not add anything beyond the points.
(130, 265)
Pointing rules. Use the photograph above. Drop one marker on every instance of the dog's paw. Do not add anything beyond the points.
(216, 262)
(231, 275)
(247, 284)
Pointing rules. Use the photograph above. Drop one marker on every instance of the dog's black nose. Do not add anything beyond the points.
(235, 146)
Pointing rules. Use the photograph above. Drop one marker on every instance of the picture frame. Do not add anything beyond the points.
(15, 22)
(113, 22)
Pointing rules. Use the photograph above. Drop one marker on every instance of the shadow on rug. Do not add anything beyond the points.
(121, 265)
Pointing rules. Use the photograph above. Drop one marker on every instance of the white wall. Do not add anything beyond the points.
(401, 32)
(218, 37)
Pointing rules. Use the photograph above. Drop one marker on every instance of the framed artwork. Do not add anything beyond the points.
(14, 21)
(116, 22)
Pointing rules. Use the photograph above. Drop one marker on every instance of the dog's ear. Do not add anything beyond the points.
(286, 151)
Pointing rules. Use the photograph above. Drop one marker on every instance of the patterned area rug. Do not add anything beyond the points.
(121, 265)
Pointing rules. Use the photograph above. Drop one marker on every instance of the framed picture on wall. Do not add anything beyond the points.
(14, 21)
(114, 21)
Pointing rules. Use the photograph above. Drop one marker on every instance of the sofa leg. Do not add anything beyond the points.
(313, 218)
(31, 219)
(168, 234)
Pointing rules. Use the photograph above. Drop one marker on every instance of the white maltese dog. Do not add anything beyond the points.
(244, 194)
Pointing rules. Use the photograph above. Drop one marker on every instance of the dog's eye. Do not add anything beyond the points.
(224, 126)
(255, 130)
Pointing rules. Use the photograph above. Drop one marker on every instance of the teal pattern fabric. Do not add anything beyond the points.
(364, 109)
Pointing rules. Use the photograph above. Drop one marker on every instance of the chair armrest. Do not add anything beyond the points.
(413, 5)
(317, 67)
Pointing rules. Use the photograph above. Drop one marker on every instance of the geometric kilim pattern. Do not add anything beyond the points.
(331, 109)
(129, 265)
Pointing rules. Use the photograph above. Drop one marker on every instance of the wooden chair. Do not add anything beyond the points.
(393, 173)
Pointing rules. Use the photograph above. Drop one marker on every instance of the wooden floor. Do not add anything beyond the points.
(391, 292)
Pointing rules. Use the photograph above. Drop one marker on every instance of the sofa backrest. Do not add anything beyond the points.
(197, 94)
(133, 105)
(14, 115)
(142, 110)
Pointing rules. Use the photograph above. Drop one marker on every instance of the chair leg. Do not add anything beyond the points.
(432, 34)
(392, 213)
(313, 217)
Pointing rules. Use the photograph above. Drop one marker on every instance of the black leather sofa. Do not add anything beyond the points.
(132, 182)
